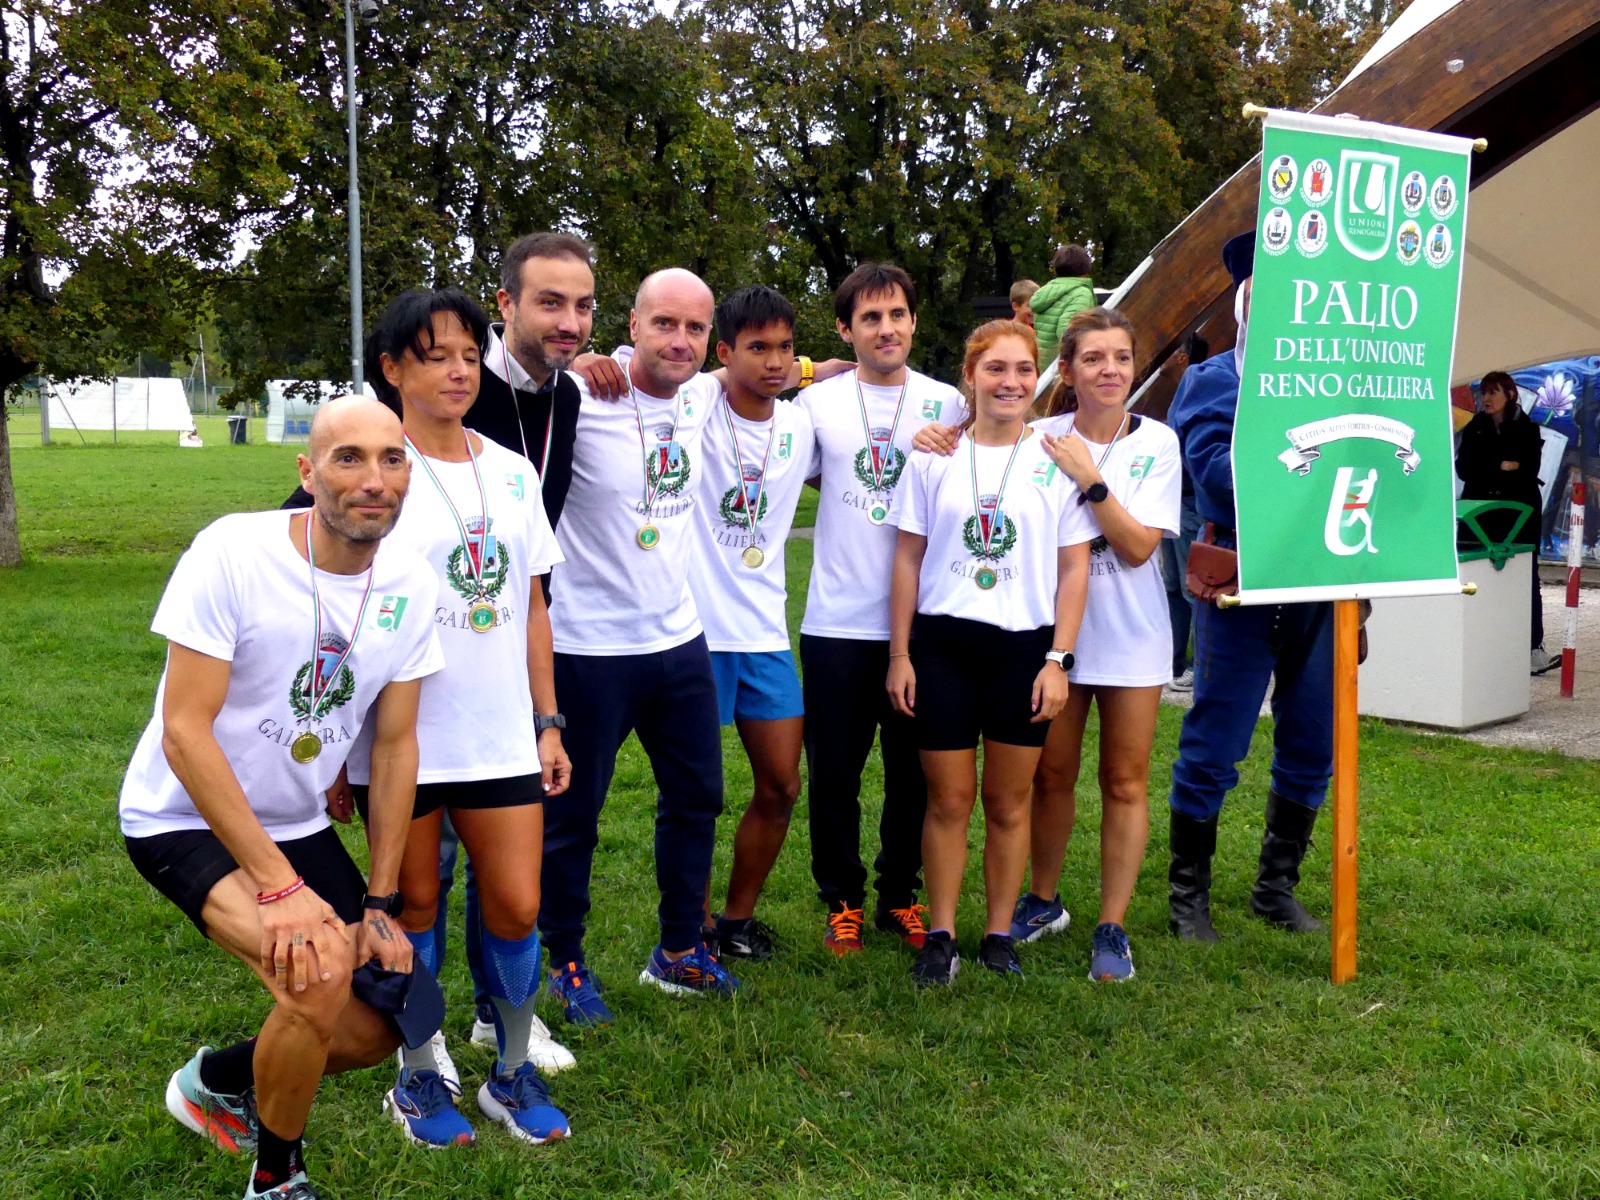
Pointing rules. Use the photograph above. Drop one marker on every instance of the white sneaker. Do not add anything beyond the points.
(1541, 660)
(441, 1056)
(1184, 682)
(544, 1052)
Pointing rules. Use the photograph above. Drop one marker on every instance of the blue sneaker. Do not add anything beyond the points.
(579, 992)
(521, 1102)
(1110, 960)
(1034, 917)
(697, 973)
(421, 1104)
(228, 1121)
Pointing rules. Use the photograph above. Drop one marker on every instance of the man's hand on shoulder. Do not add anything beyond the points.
(604, 376)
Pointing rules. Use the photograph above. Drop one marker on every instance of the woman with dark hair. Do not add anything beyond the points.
(486, 755)
(984, 606)
(1498, 459)
(1128, 469)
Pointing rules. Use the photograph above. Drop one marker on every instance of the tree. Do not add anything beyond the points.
(135, 140)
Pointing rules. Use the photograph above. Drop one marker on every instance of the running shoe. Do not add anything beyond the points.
(1110, 959)
(905, 923)
(228, 1122)
(521, 1102)
(296, 1187)
(579, 992)
(844, 929)
(422, 1104)
(544, 1051)
(441, 1057)
(1542, 661)
(938, 963)
(998, 953)
(697, 973)
(748, 939)
(1184, 682)
(1034, 917)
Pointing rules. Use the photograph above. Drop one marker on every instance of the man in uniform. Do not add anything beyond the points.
(1237, 651)
(222, 807)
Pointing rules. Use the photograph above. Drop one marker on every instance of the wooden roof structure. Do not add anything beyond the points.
(1520, 73)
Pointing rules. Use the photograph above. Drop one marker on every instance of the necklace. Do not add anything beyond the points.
(986, 577)
(481, 615)
(879, 454)
(753, 556)
(649, 537)
(307, 745)
(549, 425)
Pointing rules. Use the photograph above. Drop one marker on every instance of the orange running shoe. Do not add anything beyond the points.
(844, 929)
(905, 923)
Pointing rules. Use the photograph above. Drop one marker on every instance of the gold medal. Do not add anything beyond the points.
(752, 557)
(985, 578)
(305, 748)
(878, 514)
(482, 617)
(648, 537)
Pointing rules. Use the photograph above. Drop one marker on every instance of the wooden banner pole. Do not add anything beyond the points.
(1346, 785)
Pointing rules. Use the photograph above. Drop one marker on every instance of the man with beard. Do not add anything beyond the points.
(222, 808)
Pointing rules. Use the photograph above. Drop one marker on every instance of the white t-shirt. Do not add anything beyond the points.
(1126, 639)
(242, 593)
(744, 609)
(1039, 513)
(611, 597)
(475, 720)
(852, 557)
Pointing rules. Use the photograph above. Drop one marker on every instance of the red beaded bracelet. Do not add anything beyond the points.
(269, 897)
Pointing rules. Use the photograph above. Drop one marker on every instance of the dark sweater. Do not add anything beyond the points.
(1484, 446)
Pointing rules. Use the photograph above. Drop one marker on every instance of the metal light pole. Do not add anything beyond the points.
(369, 15)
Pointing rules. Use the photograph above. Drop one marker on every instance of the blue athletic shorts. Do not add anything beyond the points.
(756, 686)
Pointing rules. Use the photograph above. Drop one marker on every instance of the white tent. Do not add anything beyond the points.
(125, 405)
(289, 415)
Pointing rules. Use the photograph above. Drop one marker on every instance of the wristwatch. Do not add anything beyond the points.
(390, 905)
(1061, 658)
(1096, 492)
(553, 721)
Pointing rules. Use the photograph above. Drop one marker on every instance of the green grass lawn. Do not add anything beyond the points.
(1462, 1062)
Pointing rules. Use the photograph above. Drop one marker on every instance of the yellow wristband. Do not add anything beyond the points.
(808, 371)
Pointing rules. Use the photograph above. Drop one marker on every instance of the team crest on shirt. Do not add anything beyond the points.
(931, 409)
(1045, 472)
(881, 462)
(785, 445)
(479, 570)
(332, 693)
(992, 526)
(738, 501)
(1139, 467)
(390, 610)
(666, 464)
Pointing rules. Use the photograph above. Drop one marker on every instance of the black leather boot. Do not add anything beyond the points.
(1189, 899)
(1282, 847)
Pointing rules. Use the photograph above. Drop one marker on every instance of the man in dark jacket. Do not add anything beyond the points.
(1237, 651)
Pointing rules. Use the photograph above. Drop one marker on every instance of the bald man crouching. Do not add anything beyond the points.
(287, 632)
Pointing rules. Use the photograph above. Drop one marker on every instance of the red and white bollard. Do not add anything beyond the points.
(1569, 652)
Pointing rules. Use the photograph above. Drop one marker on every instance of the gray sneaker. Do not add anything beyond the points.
(1184, 682)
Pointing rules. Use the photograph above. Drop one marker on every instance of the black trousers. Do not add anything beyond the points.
(846, 703)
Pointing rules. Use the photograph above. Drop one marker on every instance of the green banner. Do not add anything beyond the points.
(1343, 452)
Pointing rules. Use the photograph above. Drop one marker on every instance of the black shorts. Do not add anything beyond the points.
(509, 792)
(976, 681)
(184, 866)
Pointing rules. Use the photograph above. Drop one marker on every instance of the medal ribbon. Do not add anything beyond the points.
(549, 425)
(751, 512)
(878, 469)
(474, 568)
(316, 625)
(677, 415)
(1105, 454)
(977, 509)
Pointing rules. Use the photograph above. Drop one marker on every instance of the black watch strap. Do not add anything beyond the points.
(553, 721)
(390, 905)
(1097, 492)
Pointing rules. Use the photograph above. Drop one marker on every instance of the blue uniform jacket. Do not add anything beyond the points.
(1202, 415)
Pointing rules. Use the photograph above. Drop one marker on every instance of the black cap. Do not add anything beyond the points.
(1239, 256)
(412, 1001)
